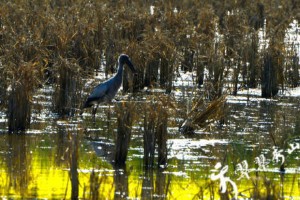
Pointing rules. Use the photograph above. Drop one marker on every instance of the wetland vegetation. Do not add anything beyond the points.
(212, 113)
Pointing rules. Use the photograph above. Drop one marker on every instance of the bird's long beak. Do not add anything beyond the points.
(132, 68)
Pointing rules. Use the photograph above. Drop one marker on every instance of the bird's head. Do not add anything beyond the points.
(124, 59)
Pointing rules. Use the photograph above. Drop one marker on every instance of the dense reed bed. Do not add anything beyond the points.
(64, 42)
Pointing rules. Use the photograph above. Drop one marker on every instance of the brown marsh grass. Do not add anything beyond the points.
(63, 42)
(177, 33)
(67, 95)
(25, 79)
(156, 114)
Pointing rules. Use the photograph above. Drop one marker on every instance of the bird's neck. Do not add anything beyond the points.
(120, 70)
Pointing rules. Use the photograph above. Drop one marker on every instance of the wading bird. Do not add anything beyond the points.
(106, 91)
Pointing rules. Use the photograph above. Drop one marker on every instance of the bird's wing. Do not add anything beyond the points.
(97, 94)
(99, 91)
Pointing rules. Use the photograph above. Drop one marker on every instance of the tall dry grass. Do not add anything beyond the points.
(220, 37)
(25, 78)
(156, 118)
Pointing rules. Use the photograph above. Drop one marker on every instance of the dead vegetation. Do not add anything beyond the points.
(65, 41)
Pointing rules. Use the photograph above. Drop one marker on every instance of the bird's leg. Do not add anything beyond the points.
(94, 111)
(109, 112)
(81, 111)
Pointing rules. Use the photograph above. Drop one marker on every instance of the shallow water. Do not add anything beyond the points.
(40, 164)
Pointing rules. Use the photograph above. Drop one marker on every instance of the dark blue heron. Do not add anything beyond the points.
(106, 91)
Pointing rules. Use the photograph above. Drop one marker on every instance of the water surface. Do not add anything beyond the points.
(40, 163)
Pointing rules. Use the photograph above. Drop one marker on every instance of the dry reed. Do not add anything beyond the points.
(218, 36)
(156, 115)
(201, 115)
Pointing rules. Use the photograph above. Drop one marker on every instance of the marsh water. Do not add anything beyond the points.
(255, 137)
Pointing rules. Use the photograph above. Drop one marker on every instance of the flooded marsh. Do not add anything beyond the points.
(206, 106)
(38, 164)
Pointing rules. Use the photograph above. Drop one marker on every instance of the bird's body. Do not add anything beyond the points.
(106, 91)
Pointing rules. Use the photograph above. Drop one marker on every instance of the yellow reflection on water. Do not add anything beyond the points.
(54, 183)
(49, 182)
(31, 167)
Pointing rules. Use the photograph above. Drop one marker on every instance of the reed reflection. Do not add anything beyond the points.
(121, 183)
(18, 163)
(61, 148)
(155, 184)
(148, 184)
(162, 184)
(73, 163)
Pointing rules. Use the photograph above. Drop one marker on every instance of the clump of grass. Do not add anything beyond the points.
(24, 81)
(201, 115)
(22, 62)
(269, 78)
(156, 115)
(67, 95)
